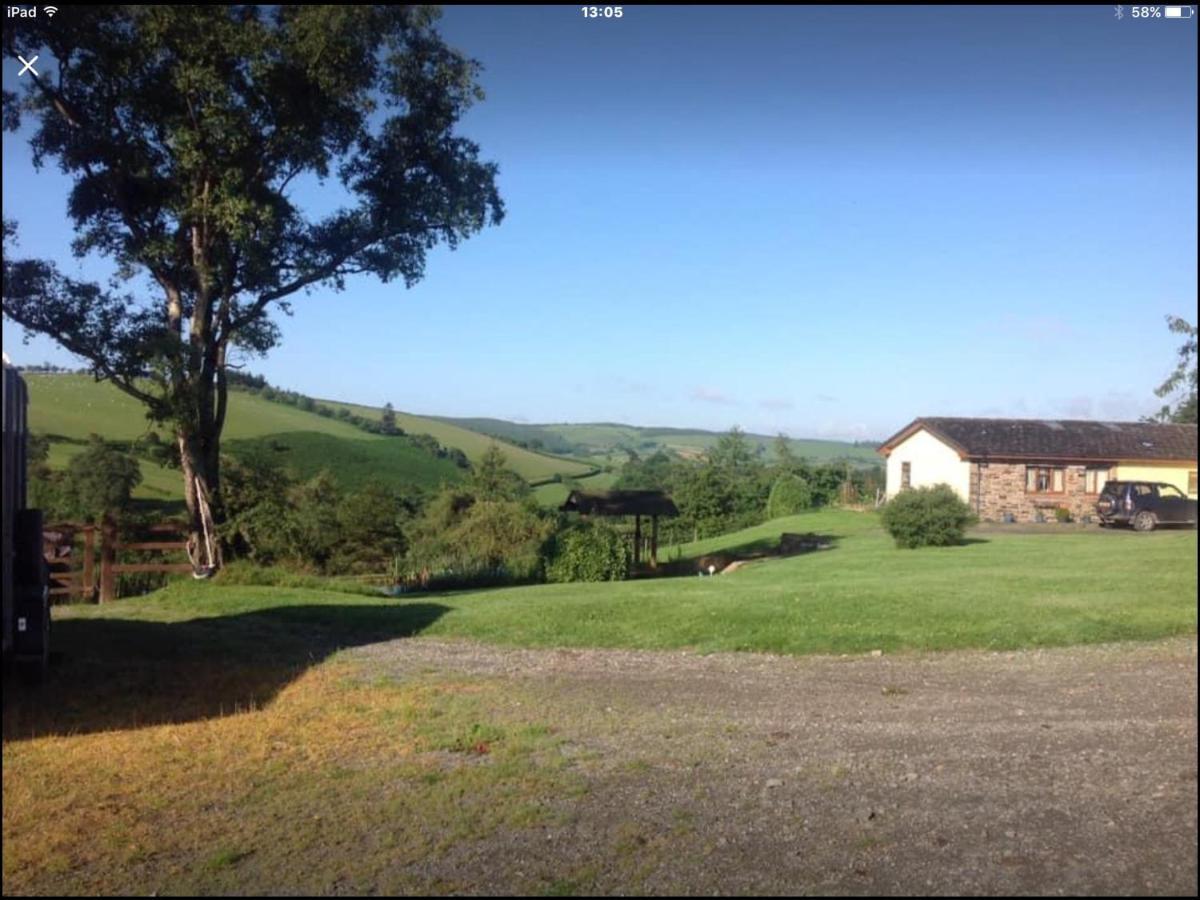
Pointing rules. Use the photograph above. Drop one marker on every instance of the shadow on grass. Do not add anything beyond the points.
(116, 674)
(763, 548)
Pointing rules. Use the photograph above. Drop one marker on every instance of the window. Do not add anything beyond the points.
(905, 475)
(1170, 492)
(1044, 480)
(1094, 480)
(1192, 481)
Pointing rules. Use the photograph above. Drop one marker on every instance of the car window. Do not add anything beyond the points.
(1169, 490)
(1143, 490)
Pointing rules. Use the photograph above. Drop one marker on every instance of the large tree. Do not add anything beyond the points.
(185, 131)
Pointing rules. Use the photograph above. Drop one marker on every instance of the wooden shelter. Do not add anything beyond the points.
(626, 503)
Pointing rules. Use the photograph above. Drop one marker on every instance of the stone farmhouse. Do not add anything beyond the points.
(1024, 469)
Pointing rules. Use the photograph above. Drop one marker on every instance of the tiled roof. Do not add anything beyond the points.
(621, 503)
(1058, 438)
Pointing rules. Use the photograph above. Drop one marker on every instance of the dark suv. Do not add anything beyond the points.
(1144, 505)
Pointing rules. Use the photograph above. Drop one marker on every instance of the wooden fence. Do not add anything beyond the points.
(70, 579)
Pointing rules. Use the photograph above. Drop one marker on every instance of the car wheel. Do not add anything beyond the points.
(1144, 521)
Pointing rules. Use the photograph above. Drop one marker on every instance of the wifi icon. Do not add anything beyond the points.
(50, 11)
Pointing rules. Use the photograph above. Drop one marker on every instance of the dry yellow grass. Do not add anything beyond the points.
(338, 784)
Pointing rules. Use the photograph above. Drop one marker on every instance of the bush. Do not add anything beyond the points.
(592, 552)
(1062, 514)
(98, 480)
(475, 542)
(789, 495)
(927, 517)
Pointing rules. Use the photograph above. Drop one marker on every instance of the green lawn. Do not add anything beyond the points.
(1000, 591)
(210, 738)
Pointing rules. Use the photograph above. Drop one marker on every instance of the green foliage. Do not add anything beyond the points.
(314, 524)
(150, 446)
(657, 472)
(789, 495)
(478, 541)
(256, 509)
(98, 480)
(706, 501)
(387, 421)
(589, 552)
(1183, 379)
(182, 129)
(733, 453)
(494, 480)
(1062, 514)
(927, 517)
(371, 526)
(43, 486)
(785, 458)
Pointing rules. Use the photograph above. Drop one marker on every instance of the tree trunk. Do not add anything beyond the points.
(201, 489)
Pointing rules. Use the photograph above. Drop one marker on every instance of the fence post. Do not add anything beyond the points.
(108, 558)
(89, 571)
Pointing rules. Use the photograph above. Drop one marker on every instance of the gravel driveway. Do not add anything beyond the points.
(1059, 771)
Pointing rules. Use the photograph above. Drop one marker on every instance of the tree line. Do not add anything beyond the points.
(734, 487)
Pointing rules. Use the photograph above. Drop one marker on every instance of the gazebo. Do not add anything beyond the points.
(626, 503)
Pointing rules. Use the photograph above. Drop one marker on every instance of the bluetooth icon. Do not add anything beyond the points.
(1120, 13)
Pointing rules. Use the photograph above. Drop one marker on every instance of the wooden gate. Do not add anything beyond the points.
(75, 575)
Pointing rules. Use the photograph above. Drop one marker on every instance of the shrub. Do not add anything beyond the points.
(927, 517)
(1062, 514)
(789, 495)
(477, 542)
(592, 552)
(99, 480)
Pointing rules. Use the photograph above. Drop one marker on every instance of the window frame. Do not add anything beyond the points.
(1093, 474)
(1049, 491)
(905, 475)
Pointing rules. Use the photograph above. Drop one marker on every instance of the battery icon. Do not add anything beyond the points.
(1179, 12)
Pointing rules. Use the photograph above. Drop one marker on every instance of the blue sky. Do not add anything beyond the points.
(823, 221)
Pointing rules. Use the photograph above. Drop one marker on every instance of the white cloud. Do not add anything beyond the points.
(708, 395)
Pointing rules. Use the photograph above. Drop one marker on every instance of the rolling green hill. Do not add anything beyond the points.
(531, 466)
(536, 437)
(603, 437)
(70, 407)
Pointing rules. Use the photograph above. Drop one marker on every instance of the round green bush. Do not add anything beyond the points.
(591, 552)
(790, 494)
(927, 517)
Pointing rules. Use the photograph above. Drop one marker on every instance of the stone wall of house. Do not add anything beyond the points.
(998, 488)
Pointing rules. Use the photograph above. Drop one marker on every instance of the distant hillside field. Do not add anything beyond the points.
(74, 406)
(602, 437)
(536, 437)
(529, 465)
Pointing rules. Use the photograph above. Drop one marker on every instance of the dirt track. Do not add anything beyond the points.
(1061, 771)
